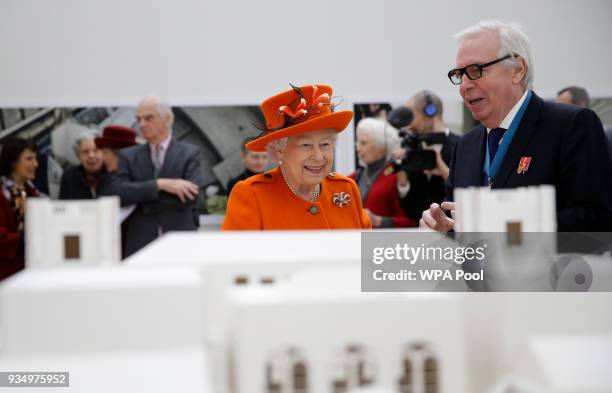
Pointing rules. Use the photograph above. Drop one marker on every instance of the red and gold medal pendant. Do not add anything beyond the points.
(341, 199)
(523, 165)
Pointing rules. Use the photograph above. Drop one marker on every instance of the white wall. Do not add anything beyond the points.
(75, 52)
(66, 51)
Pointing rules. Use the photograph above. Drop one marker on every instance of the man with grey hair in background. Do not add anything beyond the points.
(523, 140)
(573, 95)
(161, 178)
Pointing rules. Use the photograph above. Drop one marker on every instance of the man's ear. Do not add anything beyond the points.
(520, 70)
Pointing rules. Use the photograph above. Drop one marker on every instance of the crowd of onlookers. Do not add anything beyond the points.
(110, 163)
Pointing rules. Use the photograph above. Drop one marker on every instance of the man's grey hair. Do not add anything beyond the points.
(82, 136)
(162, 107)
(580, 96)
(512, 40)
(382, 134)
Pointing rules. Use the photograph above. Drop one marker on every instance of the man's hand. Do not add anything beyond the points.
(441, 168)
(434, 218)
(374, 218)
(184, 189)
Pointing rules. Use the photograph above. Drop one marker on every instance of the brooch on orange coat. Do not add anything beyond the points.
(341, 199)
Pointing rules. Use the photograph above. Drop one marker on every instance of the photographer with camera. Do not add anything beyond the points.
(429, 144)
(378, 186)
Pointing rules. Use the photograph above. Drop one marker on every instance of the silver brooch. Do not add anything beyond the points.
(341, 199)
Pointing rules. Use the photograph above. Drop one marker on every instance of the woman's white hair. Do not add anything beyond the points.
(277, 145)
(512, 41)
(83, 136)
(382, 134)
(280, 145)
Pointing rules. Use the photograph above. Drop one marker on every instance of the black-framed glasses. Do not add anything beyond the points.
(473, 71)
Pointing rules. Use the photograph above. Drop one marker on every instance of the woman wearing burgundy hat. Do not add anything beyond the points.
(114, 138)
(302, 192)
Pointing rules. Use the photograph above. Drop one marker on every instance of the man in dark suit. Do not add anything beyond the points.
(161, 178)
(523, 140)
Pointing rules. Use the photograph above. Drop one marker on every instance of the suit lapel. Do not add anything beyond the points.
(145, 157)
(521, 139)
(477, 163)
(168, 158)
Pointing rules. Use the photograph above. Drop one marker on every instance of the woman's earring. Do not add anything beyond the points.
(280, 162)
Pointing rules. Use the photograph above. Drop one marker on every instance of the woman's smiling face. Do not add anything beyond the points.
(308, 158)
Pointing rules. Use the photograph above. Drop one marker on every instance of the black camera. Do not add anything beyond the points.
(416, 158)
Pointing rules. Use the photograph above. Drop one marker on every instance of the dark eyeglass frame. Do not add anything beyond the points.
(480, 67)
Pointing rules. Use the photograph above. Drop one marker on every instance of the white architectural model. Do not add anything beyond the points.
(518, 227)
(561, 363)
(64, 233)
(114, 329)
(336, 339)
(527, 209)
(284, 312)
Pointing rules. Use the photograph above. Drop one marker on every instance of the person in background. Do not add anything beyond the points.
(114, 138)
(18, 165)
(573, 95)
(89, 179)
(427, 186)
(162, 178)
(48, 175)
(301, 192)
(254, 162)
(578, 96)
(376, 142)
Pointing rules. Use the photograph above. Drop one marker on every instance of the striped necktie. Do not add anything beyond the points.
(156, 158)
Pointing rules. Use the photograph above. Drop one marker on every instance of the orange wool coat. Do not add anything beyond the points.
(265, 202)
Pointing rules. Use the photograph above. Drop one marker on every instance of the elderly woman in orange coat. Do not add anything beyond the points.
(301, 192)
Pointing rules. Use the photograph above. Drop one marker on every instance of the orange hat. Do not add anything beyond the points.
(299, 110)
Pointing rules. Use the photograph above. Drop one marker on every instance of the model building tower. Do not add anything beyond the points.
(526, 209)
(60, 233)
(517, 228)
